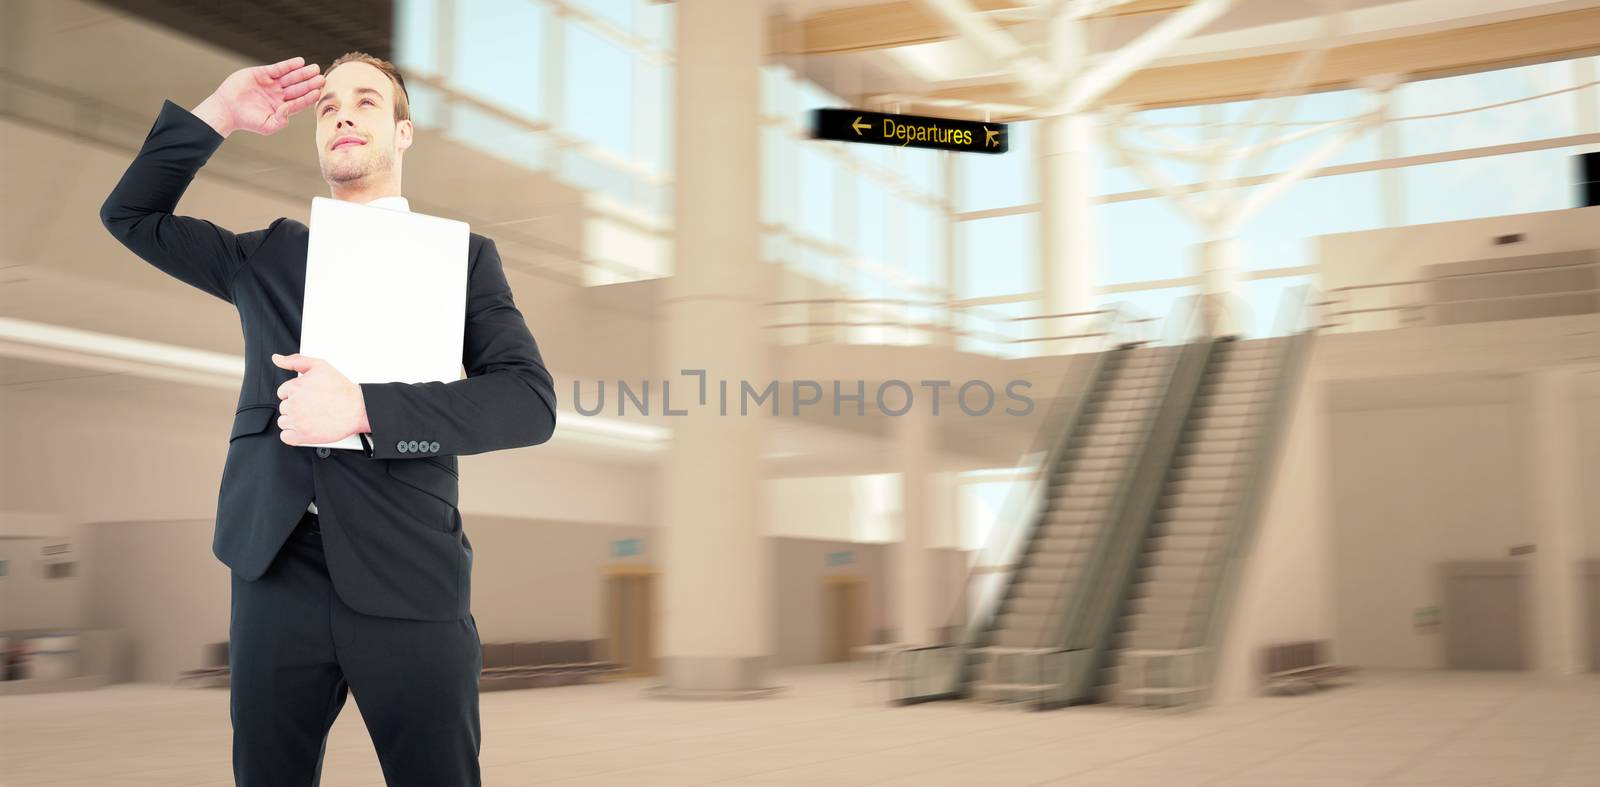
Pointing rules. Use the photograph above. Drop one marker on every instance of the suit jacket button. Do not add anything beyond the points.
(434, 446)
(323, 452)
(400, 446)
(411, 446)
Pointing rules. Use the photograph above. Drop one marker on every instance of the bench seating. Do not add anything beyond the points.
(1300, 667)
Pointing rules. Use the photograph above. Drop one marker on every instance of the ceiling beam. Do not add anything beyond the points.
(895, 23)
(1443, 53)
(868, 27)
(1137, 8)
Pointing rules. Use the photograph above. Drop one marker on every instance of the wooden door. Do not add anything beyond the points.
(630, 619)
(844, 616)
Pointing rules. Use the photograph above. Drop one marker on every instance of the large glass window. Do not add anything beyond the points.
(1284, 233)
(872, 201)
(1304, 113)
(1157, 303)
(818, 197)
(416, 37)
(1002, 181)
(602, 117)
(1499, 185)
(868, 218)
(616, 12)
(1268, 312)
(1540, 118)
(923, 244)
(494, 60)
(983, 504)
(1145, 239)
(999, 256)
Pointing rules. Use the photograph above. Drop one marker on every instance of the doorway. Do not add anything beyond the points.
(630, 605)
(1483, 608)
(844, 616)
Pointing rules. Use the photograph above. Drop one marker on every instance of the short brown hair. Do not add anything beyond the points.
(402, 101)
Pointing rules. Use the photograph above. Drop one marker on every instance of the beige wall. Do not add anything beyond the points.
(159, 582)
(532, 580)
(1285, 591)
(28, 599)
(135, 450)
(1400, 253)
(800, 573)
(1416, 483)
(1589, 458)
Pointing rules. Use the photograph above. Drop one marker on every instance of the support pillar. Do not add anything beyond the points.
(913, 597)
(1069, 239)
(1222, 307)
(1556, 506)
(716, 617)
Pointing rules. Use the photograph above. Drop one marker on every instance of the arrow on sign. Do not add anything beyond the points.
(858, 125)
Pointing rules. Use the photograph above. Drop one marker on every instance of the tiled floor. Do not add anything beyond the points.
(1426, 728)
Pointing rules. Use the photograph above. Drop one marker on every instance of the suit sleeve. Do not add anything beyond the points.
(139, 210)
(507, 400)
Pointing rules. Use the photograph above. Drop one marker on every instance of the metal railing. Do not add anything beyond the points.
(1178, 675)
(1410, 303)
(1055, 663)
(1110, 578)
(936, 671)
(914, 321)
(993, 565)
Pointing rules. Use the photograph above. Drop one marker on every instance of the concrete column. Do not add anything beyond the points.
(1222, 305)
(1584, 72)
(1555, 480)
(912, 600)
(1069, 237)
(1391, 181)
(953, 270)
(716, 616)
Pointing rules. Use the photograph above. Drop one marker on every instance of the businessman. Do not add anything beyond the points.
(351, 570)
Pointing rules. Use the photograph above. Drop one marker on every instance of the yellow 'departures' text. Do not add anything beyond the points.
(908, 133)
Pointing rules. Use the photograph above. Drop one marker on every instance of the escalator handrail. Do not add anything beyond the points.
(1067, 622)
(1022, 509)
(1297, 322)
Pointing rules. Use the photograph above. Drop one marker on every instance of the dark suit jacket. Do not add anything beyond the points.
(393, 536)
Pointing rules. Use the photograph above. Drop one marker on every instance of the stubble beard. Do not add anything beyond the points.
(352, 171)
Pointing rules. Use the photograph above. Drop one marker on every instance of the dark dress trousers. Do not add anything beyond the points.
(371, 594)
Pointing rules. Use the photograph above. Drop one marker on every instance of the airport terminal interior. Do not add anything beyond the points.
(1238, 424)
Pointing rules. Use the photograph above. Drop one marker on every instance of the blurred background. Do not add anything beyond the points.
(1306, 294)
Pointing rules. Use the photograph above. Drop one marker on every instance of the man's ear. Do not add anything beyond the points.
(402, 135)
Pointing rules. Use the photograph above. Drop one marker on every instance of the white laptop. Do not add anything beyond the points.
(386, 295)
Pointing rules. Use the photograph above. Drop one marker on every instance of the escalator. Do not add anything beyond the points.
(1171, 617)
(1023, 654)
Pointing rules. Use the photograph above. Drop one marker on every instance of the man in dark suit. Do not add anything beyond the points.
(351, 570)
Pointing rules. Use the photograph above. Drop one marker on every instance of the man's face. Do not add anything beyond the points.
(357, 136)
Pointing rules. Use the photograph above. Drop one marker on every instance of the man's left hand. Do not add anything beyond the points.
(319, 406)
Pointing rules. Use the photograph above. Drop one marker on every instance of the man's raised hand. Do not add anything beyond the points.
(262, 98)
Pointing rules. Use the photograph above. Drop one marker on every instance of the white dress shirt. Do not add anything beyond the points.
(392, 203)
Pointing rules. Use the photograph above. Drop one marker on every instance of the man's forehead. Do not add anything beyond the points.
(356, 81)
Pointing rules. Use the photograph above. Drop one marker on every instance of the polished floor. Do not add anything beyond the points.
(1424, 728)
